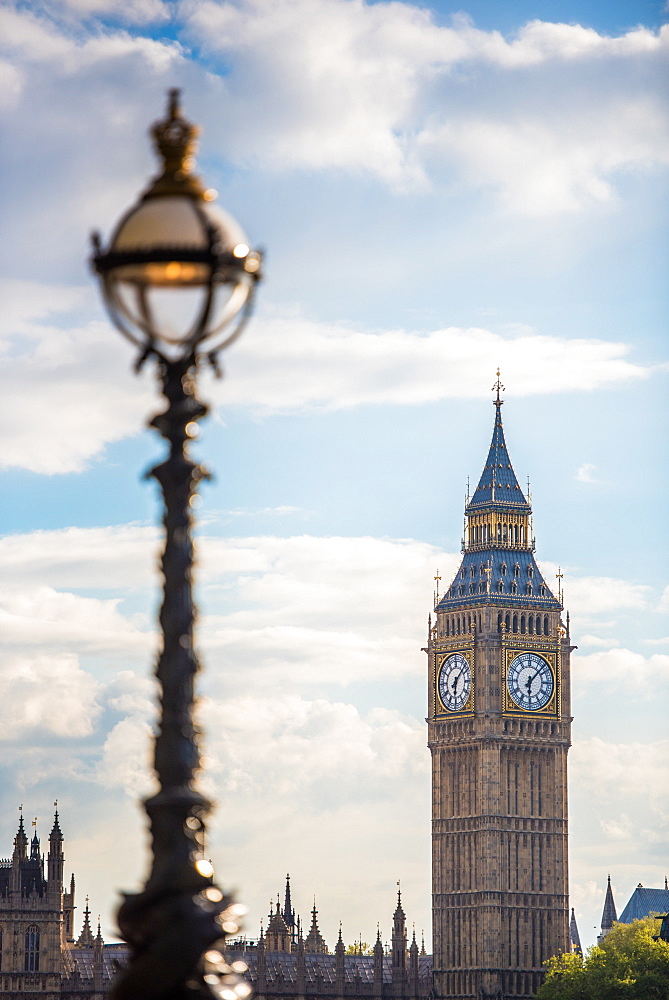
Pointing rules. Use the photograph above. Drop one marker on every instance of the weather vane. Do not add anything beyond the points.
(497, 388)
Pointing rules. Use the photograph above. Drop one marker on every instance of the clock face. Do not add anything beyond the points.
(530, 681)
(455, 681)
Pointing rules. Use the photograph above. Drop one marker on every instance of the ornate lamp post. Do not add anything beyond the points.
(178, 280)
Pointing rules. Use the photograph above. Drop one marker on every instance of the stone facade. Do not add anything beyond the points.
(38, 951)
(499, 731)
(282, 963)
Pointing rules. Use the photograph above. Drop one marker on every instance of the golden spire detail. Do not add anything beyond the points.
(175, 139)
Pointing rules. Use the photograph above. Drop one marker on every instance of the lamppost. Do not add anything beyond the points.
(178, 279)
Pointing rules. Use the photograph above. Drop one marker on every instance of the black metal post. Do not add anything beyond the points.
(174, 924)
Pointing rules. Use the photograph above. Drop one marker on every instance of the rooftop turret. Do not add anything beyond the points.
(498, 563)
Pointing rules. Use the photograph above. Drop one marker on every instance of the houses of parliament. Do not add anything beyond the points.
(498, 730)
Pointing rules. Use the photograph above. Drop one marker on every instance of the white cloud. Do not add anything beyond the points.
(593, 595)
(585, 473)
(77, 386)
(618, 827)
(382, 88)
(663, 606)
(290, 364)
(68, 390)
(126, 758)
(46, 693)
(293, 608)
(318, 751)
(42, 615)
(40, 38)
(542, 164)
(297, 609)
(128, 11)
(116, 558)
(595, 640)
(633, 773)
(613, 666)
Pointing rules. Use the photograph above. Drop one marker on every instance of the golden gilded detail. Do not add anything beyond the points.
(551, 654)
(440, 656)
(499, 530)
(175, 139)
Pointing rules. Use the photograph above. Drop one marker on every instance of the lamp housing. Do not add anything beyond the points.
(178, 270)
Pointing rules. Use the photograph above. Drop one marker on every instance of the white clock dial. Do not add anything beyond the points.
(530, 681)
(455, 681)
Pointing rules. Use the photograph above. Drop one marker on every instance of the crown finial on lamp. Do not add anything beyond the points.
(175, 139)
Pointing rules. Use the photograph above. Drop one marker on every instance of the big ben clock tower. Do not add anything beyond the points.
(499, 732)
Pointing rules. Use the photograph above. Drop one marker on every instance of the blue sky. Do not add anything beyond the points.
(441, 190)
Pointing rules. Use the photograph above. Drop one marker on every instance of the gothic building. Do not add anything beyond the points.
(283, 963)
(499, 731)
(38, 950)
(643, 902)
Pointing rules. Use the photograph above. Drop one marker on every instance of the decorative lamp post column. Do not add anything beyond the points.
(178, 280)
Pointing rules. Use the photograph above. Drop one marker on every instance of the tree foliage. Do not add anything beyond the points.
(360, 948)
(628, 965)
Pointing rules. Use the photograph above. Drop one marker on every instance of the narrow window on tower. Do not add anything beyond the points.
(31, 956)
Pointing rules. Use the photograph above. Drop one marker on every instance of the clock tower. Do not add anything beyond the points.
(499, 732)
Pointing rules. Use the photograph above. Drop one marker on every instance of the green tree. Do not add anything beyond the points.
(359, 948)
(628, 965)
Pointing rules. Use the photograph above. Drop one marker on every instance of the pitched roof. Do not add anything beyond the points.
(643, 902)
(322, 969)
(500, 576)
(498, 487)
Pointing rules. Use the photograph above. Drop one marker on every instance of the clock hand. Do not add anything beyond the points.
(455, 681)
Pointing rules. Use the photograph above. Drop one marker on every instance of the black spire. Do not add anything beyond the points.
(609, 915)
(86, 939)
(21, 840)
(288, 911)
(34, 844)
(574, 937)
(498, 488)
(56, 832)
(498, 565)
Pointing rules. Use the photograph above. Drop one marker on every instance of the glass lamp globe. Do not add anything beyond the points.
(178, 269)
